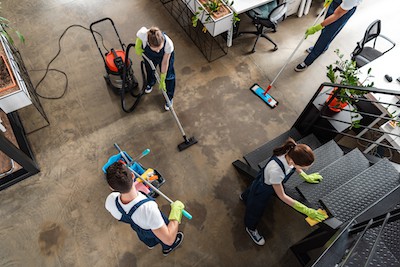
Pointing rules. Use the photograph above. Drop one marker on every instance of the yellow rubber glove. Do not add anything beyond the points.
(313, 29)
(176, 211)
(327, 3)
(162, 81)
(138, 47)
(312, 213)
(313, 178)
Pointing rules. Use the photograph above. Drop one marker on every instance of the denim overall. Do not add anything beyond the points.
(157, 59)
(257, 195)
(146, 236)
(329, 32)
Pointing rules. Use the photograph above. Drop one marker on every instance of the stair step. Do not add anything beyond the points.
(353, 197)
(309, 140)
(383, 255)
(391, 238)
(265, 151)
(324, 155)
(335, 174)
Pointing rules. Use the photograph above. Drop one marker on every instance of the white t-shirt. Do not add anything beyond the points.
(169, 45)
(273, 174)
(147, 216)
(349, 4)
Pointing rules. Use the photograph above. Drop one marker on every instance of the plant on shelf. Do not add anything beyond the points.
(214, 9)
(345, 72)
(7, 80)
(4, 26)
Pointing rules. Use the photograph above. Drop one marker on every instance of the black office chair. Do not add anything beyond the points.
(363, 54)
(259, 20)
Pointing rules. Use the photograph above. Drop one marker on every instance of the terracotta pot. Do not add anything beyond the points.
(222, 11)
(12, 82)
(335, 105)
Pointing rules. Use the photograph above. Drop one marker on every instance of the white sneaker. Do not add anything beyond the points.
(148, 89)
(166, 105)
(308, 50)
(257, 238)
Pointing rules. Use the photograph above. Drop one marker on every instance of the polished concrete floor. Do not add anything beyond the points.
(57, 218)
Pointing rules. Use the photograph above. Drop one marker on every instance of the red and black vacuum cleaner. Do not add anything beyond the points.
(121, 79)
(120, 76)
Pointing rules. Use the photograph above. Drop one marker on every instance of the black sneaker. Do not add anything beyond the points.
(301, 67)
(151, 247)
(178, 241)
(166, 106)
(148, 89)
(256, 237)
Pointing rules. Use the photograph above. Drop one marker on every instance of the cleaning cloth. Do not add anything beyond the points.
(313, 222)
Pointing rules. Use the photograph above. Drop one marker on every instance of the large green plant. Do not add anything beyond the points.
(5, 28)
(345, 72)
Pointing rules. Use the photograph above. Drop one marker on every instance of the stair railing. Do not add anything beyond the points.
(317, 117)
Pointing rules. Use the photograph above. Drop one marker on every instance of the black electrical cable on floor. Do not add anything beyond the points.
(57, 70)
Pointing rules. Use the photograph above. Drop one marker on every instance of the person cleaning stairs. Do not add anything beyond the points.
(286, 159)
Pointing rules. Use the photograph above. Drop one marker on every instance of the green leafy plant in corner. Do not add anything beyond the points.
(5, 28)
(345, 72)
(212, 7)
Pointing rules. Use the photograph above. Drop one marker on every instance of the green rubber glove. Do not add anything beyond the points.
(176, 211)
(327, 3)
(139, 47)
(313, 178)
(313, 29)
(312, 213)
(162, 81)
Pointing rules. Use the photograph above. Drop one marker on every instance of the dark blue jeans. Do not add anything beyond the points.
(169, 79)
(329, 32)
(256, 198)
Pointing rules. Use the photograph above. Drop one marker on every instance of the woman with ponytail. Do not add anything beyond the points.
(286, 159)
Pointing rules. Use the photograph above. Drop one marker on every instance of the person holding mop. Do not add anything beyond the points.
(339, 12)
(128, 205)
(286, 159)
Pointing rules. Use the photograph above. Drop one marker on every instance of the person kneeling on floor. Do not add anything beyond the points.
(285, 160)
(130, 206)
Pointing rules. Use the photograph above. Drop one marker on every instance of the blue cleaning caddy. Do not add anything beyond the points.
(139, 169)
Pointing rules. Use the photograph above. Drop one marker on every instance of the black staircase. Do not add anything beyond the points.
(361, 192)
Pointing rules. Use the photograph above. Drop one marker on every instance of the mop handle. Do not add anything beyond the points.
(144, 153)
(165, 94)
(295, 50)
(129, 163)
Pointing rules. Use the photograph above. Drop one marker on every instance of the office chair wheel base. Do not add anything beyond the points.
(275, 48)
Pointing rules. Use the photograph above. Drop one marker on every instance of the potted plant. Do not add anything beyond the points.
(4, 26)
(7, 80)
(215, 15)
(345, 72)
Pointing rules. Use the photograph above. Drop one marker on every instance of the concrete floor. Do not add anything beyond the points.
(57, 218)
